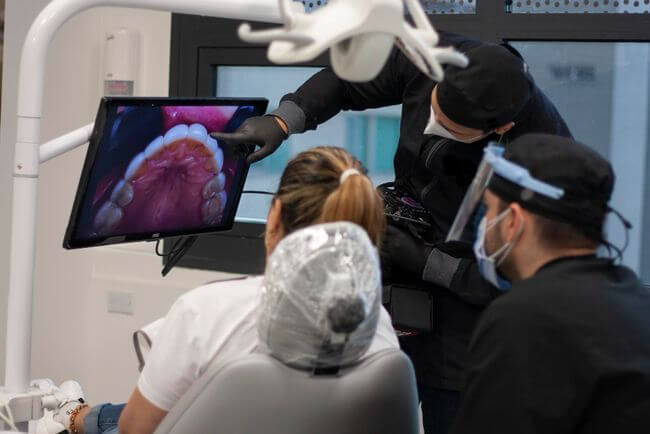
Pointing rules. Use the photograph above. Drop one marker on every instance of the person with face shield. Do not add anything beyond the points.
(566, 348)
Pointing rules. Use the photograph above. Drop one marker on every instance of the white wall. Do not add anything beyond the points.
(73, 334)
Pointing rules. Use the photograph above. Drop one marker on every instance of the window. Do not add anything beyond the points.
(603, 92)
(371, 135)
(449, 6)
(577, 6)
(430, 6)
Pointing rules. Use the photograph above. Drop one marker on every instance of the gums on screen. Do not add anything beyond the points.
(157, 170)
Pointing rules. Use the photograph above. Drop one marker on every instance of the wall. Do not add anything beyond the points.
(73, 334)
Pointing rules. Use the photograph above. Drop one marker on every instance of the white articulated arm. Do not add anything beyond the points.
(359, 34)
(65, 143)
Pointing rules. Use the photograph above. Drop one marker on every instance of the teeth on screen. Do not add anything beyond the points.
(198, 133)
(111, 212)
(211, 210)
(212, 144)
(179, 132)
(134, 166)
(213, 186)
(218, 158)
(108, 217)
(122, 194)
(223, 197)
(195, 132)
(156, 145)
(221, 178)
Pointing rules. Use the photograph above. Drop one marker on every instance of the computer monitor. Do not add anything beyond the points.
(152, 170)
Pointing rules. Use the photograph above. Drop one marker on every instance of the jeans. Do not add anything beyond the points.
(102, 419)
(439, 407)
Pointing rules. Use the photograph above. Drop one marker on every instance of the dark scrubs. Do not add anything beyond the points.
(566, 351)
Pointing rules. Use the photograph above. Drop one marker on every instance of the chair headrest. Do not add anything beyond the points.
(321, 296)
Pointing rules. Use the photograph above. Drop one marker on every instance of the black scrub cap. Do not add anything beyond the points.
(490, 92)
(586, 178)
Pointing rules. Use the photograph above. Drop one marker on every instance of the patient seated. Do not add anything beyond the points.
(317, 305)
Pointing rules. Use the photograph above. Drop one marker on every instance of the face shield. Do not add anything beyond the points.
(494, 163)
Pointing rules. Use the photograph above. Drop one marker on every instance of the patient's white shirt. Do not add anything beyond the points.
(215, 321)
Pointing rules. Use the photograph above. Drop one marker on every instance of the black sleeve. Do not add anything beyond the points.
(324, 95)
(453, 265)
(470, 286)
(518, 378)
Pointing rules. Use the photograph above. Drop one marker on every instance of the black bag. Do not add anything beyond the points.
(410, 305)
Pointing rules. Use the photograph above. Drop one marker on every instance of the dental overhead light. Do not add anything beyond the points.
(360, 35)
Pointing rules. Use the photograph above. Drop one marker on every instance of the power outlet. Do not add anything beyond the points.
(120, 302)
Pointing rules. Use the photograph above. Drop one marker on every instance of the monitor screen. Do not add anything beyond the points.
(153, 171)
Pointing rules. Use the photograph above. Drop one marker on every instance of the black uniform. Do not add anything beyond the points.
(566, 351)
(437, 172)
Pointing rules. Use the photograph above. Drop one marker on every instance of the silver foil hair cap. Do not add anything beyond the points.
(321, 296)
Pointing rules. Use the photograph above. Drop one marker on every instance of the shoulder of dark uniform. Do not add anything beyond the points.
(531, 299)
(512, 311)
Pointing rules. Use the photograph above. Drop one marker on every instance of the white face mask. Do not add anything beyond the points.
(487, 265)
(433, 128)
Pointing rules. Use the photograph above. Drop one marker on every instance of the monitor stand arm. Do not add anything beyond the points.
(177, 254)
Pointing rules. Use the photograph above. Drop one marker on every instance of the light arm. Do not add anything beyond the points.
(65, 143)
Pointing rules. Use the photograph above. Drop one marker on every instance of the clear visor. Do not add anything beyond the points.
(493, 162)
(474, 195)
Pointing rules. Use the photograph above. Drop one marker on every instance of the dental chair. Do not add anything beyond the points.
(317, 319)
(260, 394)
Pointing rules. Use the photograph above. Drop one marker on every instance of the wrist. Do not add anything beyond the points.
(75, 426)
(292, 116)
(440, 268)
(282, 124)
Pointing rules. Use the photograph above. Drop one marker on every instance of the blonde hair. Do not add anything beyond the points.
(311, 192)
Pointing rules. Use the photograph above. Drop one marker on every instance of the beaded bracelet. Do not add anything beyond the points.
(73, 416)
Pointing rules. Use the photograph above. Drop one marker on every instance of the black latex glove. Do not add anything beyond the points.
(263, 131)
(402, 252)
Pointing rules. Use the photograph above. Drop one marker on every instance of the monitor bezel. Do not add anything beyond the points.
(260, 105)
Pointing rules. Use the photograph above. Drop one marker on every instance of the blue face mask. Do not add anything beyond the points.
(487, 264)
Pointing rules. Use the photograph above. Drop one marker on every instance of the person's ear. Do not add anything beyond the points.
(515, 221)
(504, 128)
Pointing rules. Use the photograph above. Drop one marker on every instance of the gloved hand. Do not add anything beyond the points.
(402, 253)
(267, 132)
